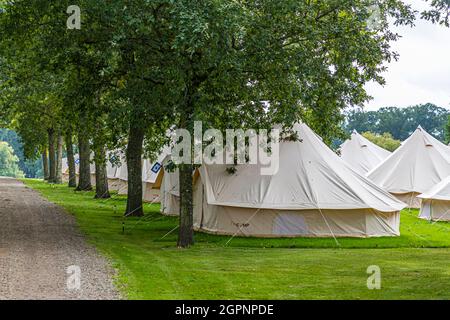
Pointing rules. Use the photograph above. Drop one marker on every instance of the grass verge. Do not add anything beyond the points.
(413, 266)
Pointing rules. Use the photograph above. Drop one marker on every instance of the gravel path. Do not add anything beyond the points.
(39, 243)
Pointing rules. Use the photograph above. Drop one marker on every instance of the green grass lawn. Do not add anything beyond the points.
(415, 265)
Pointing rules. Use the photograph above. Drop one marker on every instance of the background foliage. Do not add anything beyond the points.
(9, 162)
(31, 168)
(384, 140)
(399, 122)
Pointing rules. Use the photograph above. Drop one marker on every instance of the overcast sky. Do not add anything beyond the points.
(422, 74)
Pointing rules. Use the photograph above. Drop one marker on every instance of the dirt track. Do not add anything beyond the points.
(38, 242)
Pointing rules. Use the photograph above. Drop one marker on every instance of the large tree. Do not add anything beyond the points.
(305, 60)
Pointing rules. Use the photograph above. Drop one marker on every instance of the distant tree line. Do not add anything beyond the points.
(399, 122)
(31, 168)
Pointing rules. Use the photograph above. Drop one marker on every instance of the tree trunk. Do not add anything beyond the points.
(59, 154)
(134, 164)
(84, 177)
(101, 177)
(71, 161)
(45, 164)
(186, 232)
(51, 156)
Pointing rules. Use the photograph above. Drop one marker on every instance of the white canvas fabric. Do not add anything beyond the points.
(170, 191)
(440, 191)
(122, 170)
(111, 170)
(92, 170)
(435, 210)
(314, 188)
(310, 176)
(65, 165)
(417, 165)
(410, 199)
(152, 176)
(77, 164)
(361, 154)
(112, 167)
(152, 168)
(65, 170)
(111, 173)
(237, 221)
(436, 202)
(114, 184)
(122, 177)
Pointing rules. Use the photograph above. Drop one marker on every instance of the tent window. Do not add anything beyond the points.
(290, 224)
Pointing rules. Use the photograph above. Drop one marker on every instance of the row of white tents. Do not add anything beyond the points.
(417, 173)
(315, 192)
(117, 173)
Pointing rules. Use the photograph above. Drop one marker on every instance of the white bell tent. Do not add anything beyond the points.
(436, 202)
(170, 190)
(112, 167)
(151, 177)
(361, 154)
(416, 166)
(65, 170)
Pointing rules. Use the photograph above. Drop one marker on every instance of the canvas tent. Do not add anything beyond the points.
(92, 171)
(170, 190)
(112, 167)
(314, 194)
(65, 170)
(152, 174)
(436, 202)
(121, 175)
(361, 154)
(416, 166)
(111, 170)
(151, 177)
